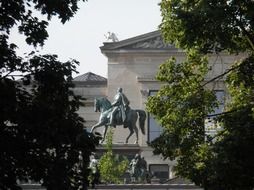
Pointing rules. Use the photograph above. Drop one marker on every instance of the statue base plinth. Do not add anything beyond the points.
(128, 150)
(120, 147)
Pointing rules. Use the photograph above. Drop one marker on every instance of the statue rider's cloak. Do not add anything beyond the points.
(121, 101)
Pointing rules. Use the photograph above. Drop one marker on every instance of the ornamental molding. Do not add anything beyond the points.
(154, 43)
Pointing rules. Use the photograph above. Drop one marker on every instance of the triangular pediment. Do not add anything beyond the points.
(149, 41)
(152, 43)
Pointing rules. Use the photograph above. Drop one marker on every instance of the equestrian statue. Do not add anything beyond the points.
(119, 113)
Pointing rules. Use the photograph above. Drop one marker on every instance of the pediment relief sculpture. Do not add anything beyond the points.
(154, 43)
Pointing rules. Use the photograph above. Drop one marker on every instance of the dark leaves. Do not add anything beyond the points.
(38, 120)
(208, 26)
(34, 30)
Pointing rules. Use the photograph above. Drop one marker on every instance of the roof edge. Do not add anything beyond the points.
(126, 42)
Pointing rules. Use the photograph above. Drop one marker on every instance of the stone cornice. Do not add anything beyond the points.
(147, 43)
(148, 78)
(121, 147)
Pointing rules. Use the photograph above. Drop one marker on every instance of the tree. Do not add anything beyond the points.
(41, 135)
(112, 167)
(183, 103)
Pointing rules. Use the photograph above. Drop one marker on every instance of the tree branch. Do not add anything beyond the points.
(248, 36)
(221, 75)
(6, 75)
(223, 113)
(9, 75)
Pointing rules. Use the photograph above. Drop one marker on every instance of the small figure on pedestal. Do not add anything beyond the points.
(95, 174)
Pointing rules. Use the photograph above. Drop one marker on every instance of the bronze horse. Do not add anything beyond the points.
(103, 105)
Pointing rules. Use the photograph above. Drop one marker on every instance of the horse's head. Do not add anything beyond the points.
(101, 104)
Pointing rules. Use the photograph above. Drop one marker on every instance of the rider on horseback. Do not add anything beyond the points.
(120, 102)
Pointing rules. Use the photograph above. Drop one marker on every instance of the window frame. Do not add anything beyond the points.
(166, 165)
(149, 116)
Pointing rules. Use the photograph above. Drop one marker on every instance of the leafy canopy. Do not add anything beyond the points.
(184, 101)
(41, 135)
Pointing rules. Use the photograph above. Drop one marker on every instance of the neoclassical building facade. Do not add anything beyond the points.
(132, 65)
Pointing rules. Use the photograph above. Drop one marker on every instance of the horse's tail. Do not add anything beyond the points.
(142, 119)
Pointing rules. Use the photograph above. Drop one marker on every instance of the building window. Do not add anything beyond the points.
(211, 126)
(154, 129)
(220, 96)
(160, 171)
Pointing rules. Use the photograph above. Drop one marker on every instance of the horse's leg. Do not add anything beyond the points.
(104, 133)
(95, 126)
(136, 131)
(133, 124)
(131, 132)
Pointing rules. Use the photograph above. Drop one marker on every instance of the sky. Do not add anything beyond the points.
(82, 36)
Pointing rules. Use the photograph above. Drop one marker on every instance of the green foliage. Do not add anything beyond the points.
(236, 144)
(180, 106)
(41, 134)
(111, 166)
(208, 25)
(183, 102)
(20, 13)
